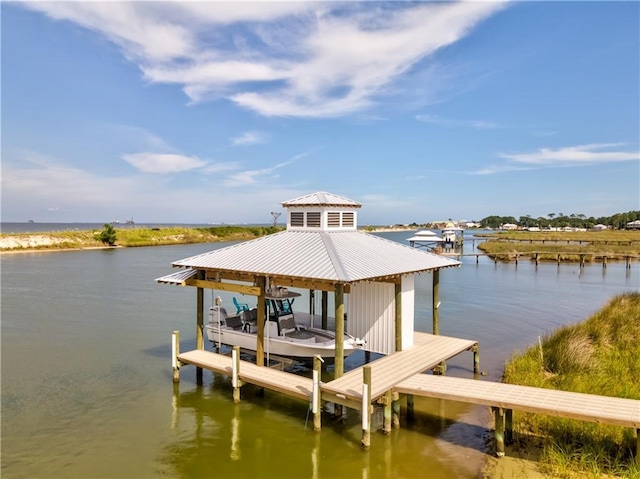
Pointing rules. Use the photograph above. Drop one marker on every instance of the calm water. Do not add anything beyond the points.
(86, 373)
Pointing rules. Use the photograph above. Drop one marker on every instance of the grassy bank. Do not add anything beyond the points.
(130, 237)
(593, 245)
(600, 356)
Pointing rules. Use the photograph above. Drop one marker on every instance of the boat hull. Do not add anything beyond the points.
(319, 343)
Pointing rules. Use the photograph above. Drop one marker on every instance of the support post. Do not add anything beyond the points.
(410, 407)
(508, 426)
(200, 323)
(315, 405)
(235, 373)
(395, 409)
(200, 314)
(638, 446)
(498, 413)
(476, 358)
(325, 310)
(339, 357)
(604, 262)
(175, 351)
(366, 407)
(537, 258)
(436, 301)
(261, 318)
(398, 290)
(386, 425)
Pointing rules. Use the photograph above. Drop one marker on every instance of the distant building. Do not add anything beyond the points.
(509, 226)
(600, 227)
(633, 225)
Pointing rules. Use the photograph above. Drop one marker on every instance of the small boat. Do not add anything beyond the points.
(282, 335)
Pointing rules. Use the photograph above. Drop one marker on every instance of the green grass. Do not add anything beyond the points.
(600, 356)
(131, 237)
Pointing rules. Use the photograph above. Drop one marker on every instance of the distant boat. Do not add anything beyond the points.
(130, 221)
(31, 221)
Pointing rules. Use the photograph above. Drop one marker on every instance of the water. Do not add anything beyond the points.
(86, 373)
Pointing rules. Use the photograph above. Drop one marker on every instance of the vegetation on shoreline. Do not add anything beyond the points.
(600, 356)
(131, 237)
(560, 220)
(505, 246)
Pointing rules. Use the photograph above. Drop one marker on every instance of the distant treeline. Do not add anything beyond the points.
(560, 220)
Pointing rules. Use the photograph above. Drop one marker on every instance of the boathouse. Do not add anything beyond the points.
(322, 250)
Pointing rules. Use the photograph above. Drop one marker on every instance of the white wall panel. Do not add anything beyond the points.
(372, 315)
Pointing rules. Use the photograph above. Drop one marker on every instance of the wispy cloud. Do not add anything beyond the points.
(300, 59)
(574, 155)
(251, 177)
(249, 138)
(479, 124)
(163, 162)
(571, 156)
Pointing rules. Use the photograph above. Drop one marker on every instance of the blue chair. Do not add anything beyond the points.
(240, 306)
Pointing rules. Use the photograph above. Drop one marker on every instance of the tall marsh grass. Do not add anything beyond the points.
(600, 356)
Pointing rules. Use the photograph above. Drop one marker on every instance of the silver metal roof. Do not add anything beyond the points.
(178, 278)
(340, 256)
(321, 198)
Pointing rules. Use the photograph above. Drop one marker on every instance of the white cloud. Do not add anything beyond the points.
(251, 177)
(479, 124)
(570, 156)
(162, 162)
(279, 59)
(582, 154)
(248, 138)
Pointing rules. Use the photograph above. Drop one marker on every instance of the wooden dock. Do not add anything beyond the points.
(384, 379)
(427, 352)
(268, 378)
(504, 398)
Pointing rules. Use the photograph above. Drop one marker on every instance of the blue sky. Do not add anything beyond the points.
(218, 112)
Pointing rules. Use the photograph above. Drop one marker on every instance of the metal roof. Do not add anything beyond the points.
(339, 256)
(321, 198)
(178, 278)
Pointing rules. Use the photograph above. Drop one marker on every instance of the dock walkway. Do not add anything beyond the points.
(268, 378)
(508, 397)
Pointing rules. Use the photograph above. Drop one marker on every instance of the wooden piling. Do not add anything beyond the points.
(175, 351)
(508, 426)
(410, 406)
(436, 301)
(366, 407)
(395, 409)
(498, 413)
(338, 370)
(200, 324)
(604, 262)
(261, 317)
(537, 258)
(398, 321)
(325, 310)
(235, 372)
(476, 359)
(386, 401)
(315, 405)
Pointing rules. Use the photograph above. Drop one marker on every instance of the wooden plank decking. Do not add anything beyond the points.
(268, 378)
(586, 407)
(426, 353)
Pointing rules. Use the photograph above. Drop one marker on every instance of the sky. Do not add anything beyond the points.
(212, 112)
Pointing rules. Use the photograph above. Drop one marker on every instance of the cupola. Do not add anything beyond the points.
(321, 211)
